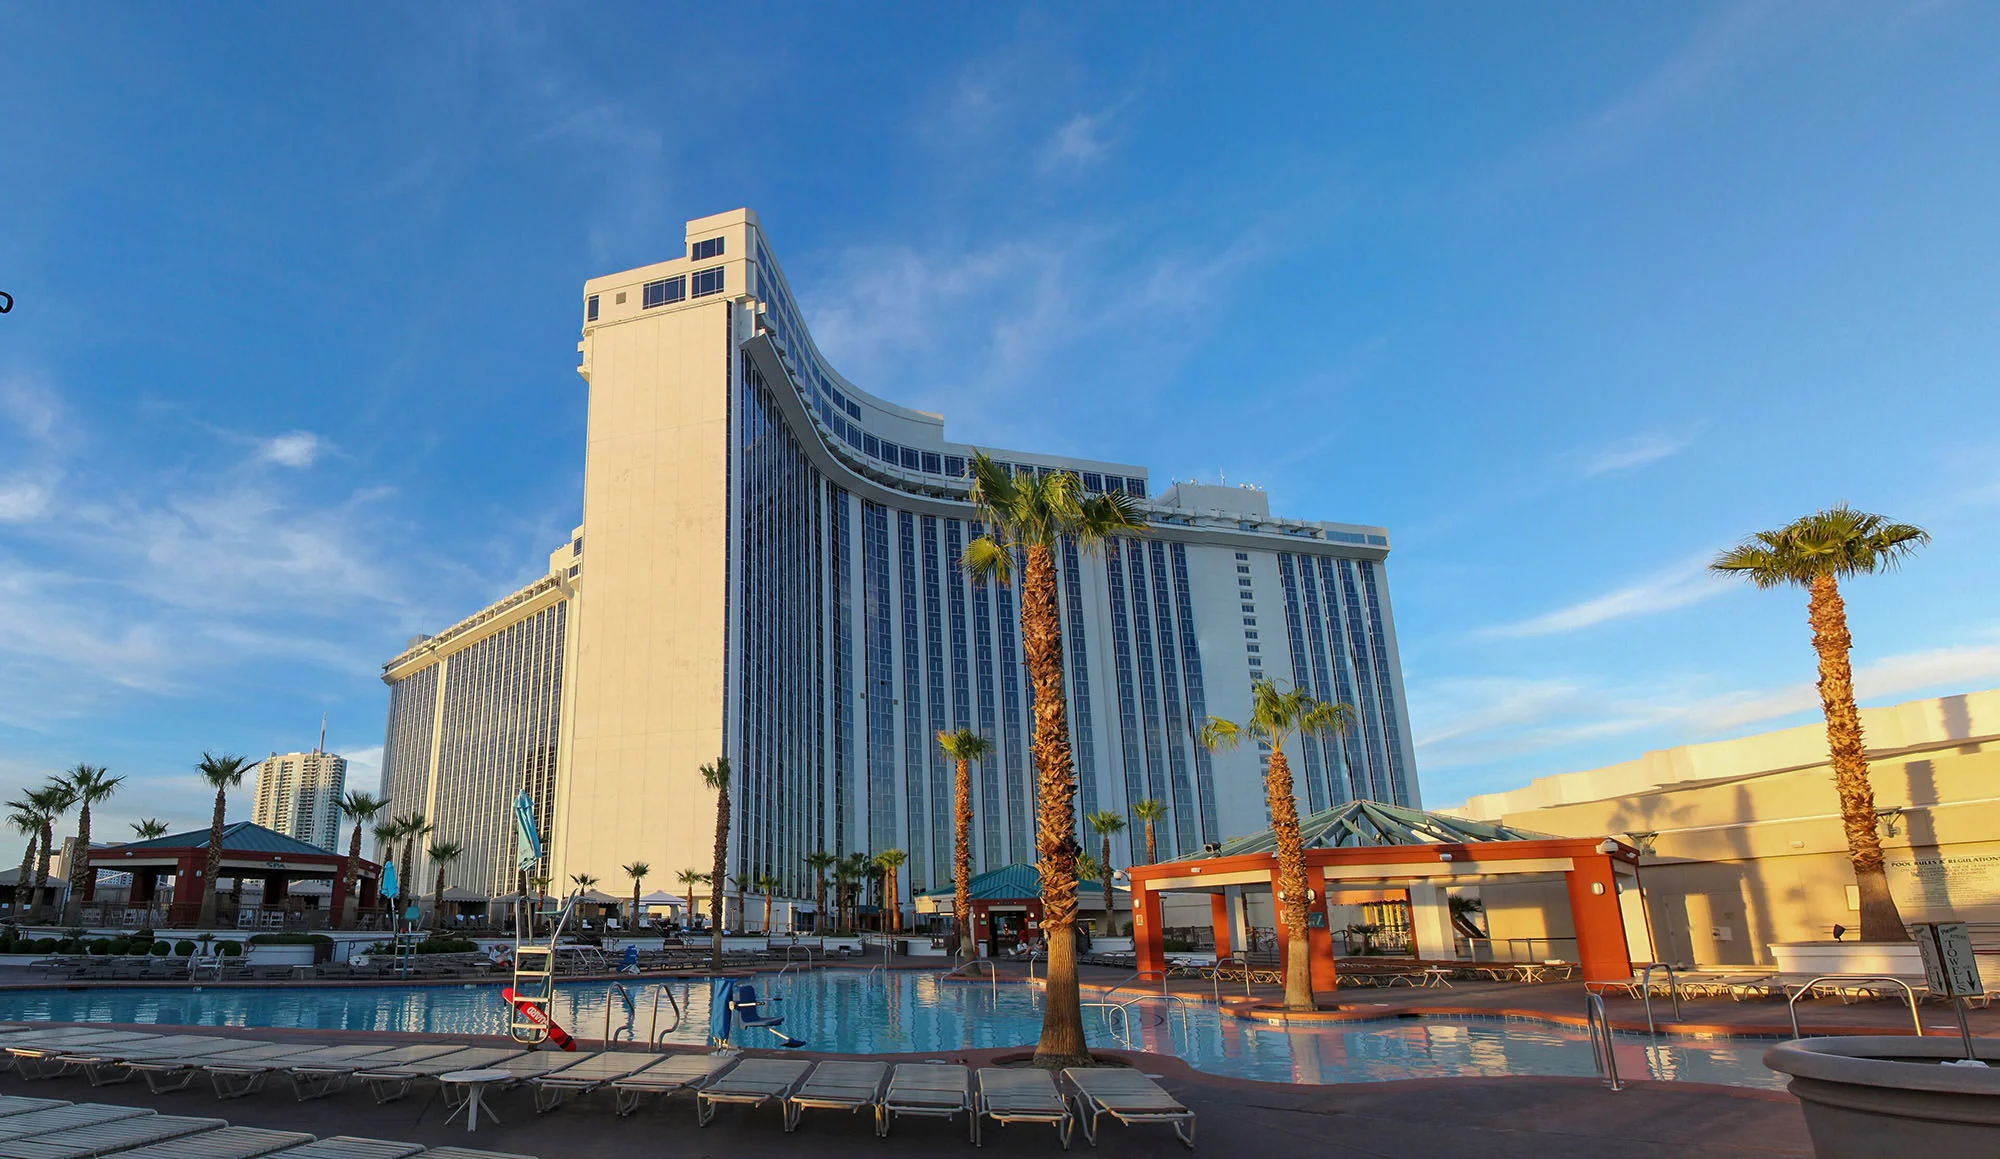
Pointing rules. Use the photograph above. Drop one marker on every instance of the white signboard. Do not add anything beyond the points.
(1949, 967)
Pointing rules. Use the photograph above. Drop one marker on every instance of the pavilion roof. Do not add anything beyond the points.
(1366, 824)
(237, 837)
(1020, 880)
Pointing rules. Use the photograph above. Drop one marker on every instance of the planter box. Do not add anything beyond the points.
(1867, 1097)
(1881, 959)
(279, 955)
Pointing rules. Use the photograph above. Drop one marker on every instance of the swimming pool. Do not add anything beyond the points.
(857, 1012)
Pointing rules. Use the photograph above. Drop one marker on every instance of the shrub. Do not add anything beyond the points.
(162, 949)
(46, 945)
(66, 946)
(100, 947)
(229, 949)
(290, 940)
(184, 949)
(138, 945)
(119, 946)
(446, 946)
(142, 934)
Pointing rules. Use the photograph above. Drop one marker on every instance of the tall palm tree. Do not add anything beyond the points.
(584, 882)
(716, 776)
(819, 861)
(1275, 716)
(149, 828)
(1107, 823)
(53, 800)
(1150, 813)
(410, 827)
(843, 876)
(1816, 552)
(385, 834)
(689, 878)
(88, 784)
(441, 853)
(854, 870)
(26, 818)
(963, 747)
(637, 871)
(223, 773)
(767, 885)
(1032, 515)
(361, 808)
(887, 863)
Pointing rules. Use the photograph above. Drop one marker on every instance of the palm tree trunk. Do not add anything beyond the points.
(207, 918)
(1880, 919)
(1061, 1044)
(635, 905)
(961, 861)
(42, 869)
(27, 874)
(1110, 916)
(767, 915)
(82, 882)
(409, 866)
(349, 879)
(437, 899)
(720, 879)
(895, 901)
(1151, 859)
(1291, 881)
(820, 924)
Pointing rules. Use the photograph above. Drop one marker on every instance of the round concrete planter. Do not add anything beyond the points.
(1867, 1096)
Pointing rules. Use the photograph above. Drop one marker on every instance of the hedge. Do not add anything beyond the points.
(162, 949)
(229, 949)
(184, 948)
(290, 940)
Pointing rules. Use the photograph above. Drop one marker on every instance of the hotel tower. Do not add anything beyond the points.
(767, 570)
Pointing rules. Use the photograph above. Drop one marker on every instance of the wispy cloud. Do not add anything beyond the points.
(24, 499)
(1078, 142)
(1637, 451)
(294, 449)
(1675, 588)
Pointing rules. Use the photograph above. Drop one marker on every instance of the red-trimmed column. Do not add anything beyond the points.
(1600, 925)
(1319, 943)
(1218, 917)
(1148, 945)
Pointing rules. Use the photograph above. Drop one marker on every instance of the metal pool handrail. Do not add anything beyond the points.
(1215, 976)
(656, 1033)
(1673, 989)
(1791, 1003)
(1599, 1025)
(992, 972)
(627, 1030)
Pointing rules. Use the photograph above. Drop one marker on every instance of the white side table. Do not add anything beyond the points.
(475, 1083)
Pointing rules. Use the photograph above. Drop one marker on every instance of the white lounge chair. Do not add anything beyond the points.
(235, 1075)
(63, 1118)
(225, 1143)
(930, 1089)
(391, 1082)
(469, 1153)
(751, 1083)
(1129, 1097)
(105, 1064)
(587, 1074)
(674, 1074)
(19, 1105)
(105, 1138)
(1021, 1095)
(174, 1074)
(836, 1086)
(325, 1075)
(352, 1147)
(34, 1045)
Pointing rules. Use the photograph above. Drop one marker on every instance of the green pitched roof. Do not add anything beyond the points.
(238, 837)
(1364, 824)
(1009, 881)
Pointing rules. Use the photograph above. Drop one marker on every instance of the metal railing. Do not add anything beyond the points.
(1792, 1008)
(992, 972)
(1601, 1052)
(655, 1034)
(1673, 989)
(1121, 1029)
(631, 1013)
(1215, 976)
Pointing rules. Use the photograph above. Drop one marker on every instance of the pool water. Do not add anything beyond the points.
(872, 1013)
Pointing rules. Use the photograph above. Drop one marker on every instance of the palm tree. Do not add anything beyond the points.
(1274, 716)
(88, 784)
(584, 882)
(26, 818)
(409, 828)
(819, 862)
(384, 833)
(857, 868)
(359, 807)
(441, 853)
(149, 828)
(1816, 552)
(689, 878)
(1149, 813)
(223, 773)
(767, 885)
(843, 876)
(1032, 515)
(716, 776)
(963, 747)
(1107, 823)
(637, 871)
(888, 862)
(53, 800)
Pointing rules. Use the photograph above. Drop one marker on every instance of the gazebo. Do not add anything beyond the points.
(1367, 848)
(249, 851)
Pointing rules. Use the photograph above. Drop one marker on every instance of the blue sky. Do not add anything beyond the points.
(1567, 296)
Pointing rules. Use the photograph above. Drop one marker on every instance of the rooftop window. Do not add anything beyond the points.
(711, 248)
(665, 291)
(708, 281)
(590, 309)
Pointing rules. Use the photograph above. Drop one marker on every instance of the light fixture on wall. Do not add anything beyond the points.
(1597, 888)
(1444, 857)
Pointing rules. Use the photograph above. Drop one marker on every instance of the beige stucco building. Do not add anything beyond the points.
(767, 571)
(1742, 839)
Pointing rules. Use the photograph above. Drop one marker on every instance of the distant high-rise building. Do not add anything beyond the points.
(773, 577)
(298, 794)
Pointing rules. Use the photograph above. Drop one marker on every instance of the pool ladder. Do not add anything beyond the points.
(535, 975)
(1600, 1039)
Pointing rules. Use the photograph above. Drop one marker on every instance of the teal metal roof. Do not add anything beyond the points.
(1007, 883)
(1366, 824)
(239, 837)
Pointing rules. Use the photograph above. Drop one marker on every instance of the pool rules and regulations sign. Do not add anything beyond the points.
(1949, 967)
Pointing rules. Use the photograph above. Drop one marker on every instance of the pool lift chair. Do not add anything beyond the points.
(740, 1000)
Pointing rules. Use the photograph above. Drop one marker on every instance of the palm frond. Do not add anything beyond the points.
(1106, 822)
(1835, 543)
(716, 776)
(986, 558)
(964, 745)
(1219, 734)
